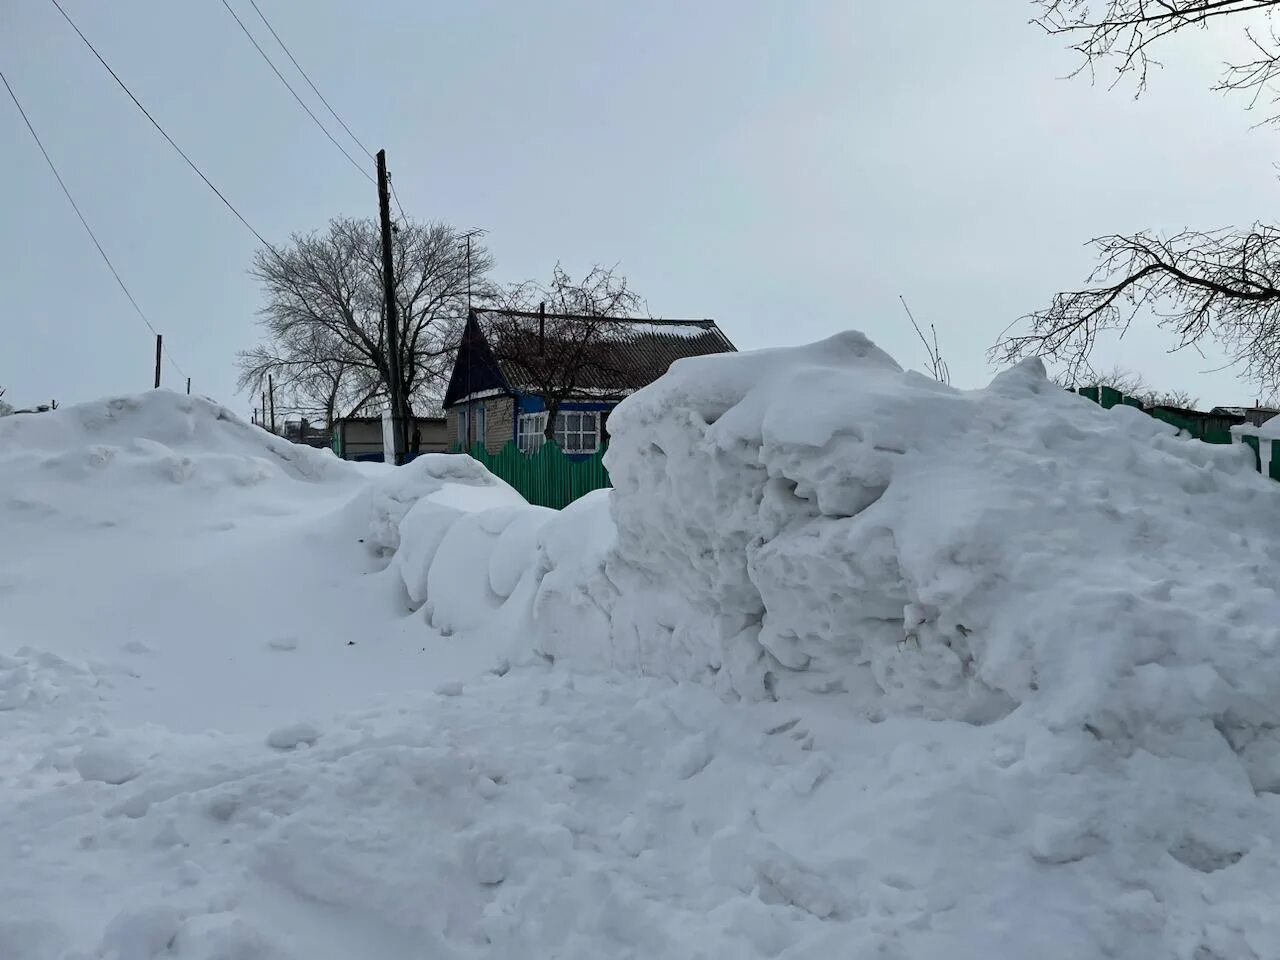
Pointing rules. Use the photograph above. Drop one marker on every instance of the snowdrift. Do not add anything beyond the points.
(817, 520)
(818, 526)
(169, 436)
(985, 674)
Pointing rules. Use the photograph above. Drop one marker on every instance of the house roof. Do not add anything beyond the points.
(427, 417)
(623, 355)
(1245, 411)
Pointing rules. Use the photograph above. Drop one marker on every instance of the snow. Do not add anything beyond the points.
(668, 328)
(848, 664)
(293, 735)
(1267, 430)
(109, 763)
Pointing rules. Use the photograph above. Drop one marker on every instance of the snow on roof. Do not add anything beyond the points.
(1269, 430)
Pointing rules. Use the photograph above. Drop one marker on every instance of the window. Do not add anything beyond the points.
(462, 428)
(479, 437)
(578, 431)
(532, 427)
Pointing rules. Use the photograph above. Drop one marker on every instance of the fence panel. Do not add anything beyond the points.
(1253, 444)
(548, 477)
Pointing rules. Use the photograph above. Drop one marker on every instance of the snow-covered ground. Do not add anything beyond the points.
(849, 665)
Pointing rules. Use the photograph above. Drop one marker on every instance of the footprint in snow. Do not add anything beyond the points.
(292, 736)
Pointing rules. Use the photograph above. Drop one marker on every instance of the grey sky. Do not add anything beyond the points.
(786, 168)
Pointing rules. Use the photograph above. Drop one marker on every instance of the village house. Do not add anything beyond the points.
(511, 367)
(360, 438)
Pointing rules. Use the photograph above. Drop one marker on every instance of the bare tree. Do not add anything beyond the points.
(5, 408)
(1217, 285)
(1126, 34)
(1221, 285)
(324, 316)
(557, 338)
(313, 378)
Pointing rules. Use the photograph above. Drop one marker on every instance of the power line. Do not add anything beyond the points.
(264, 19)
(155, 123)
(328, 106)
(85, 223)
(302, 103)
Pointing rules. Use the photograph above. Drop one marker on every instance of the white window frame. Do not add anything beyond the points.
(480, 424)
(575, 440)
(462, 429)
(531, 432)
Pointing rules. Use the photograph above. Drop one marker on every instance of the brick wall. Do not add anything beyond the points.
(499, 418)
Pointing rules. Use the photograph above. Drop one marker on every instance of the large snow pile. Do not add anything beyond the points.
(1092, 592)
(173, 559)
(981, 674)
(181, 439)
(846, 525)
(818, 520)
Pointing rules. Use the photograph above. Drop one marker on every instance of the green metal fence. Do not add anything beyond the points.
(548, 477)
(1197, 427)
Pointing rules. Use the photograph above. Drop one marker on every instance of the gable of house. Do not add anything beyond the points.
(476, 371)
(623, 355)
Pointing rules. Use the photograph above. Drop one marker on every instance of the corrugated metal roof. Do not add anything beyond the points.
(622, 356)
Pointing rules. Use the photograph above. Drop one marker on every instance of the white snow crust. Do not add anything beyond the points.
(815, 525)
(848, 664)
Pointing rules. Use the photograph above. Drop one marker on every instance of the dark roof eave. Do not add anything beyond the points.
(488, 393)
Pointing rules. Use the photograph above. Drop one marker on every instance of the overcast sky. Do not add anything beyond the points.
(788, 169)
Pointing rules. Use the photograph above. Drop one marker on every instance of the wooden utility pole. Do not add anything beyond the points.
(188, 386)
(262, 411)
(271, 395)
(399, 426)
(159, 348)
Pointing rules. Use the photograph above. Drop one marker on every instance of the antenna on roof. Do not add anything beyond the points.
(467, 237)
